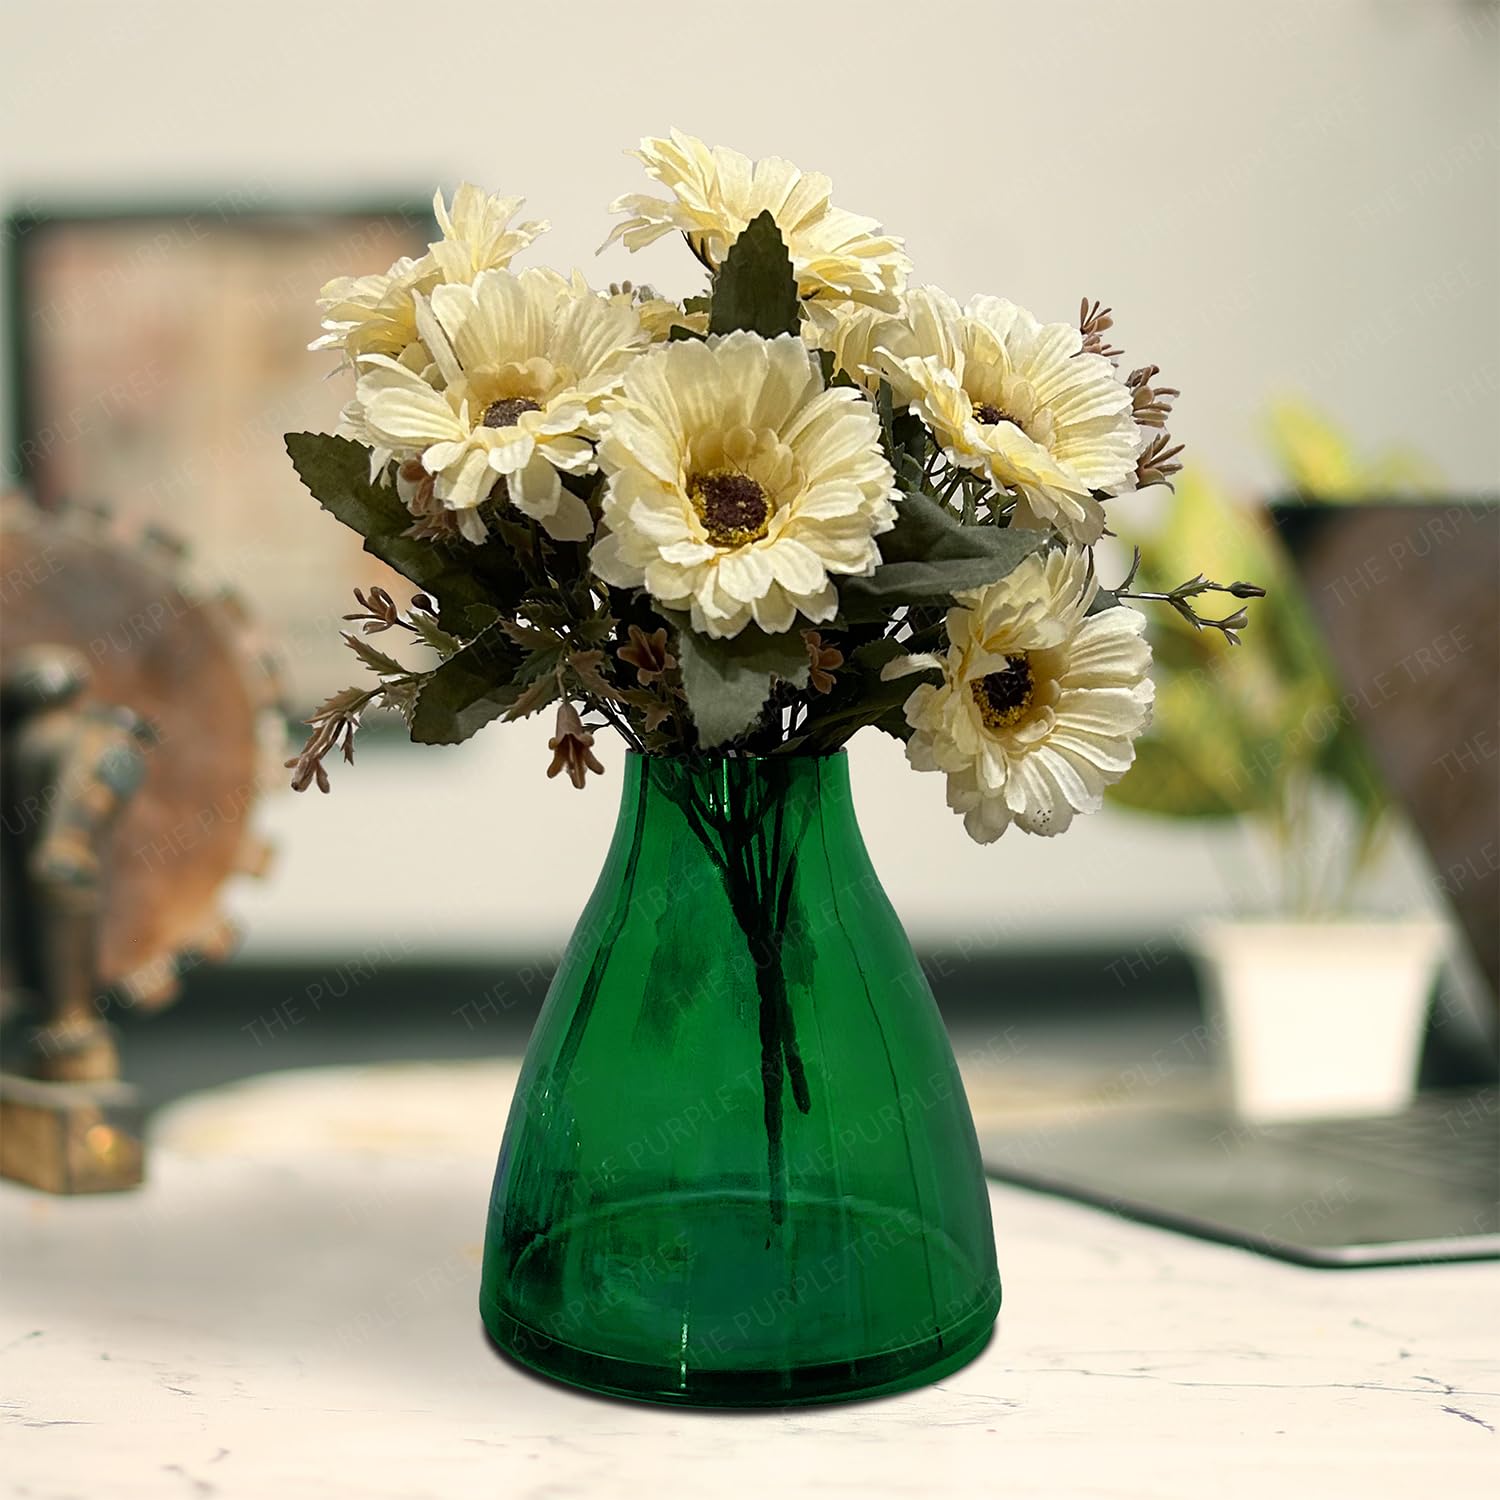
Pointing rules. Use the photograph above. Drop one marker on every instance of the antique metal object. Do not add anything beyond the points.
(135, 717)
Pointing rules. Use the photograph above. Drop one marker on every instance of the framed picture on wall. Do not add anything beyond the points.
(157, 357)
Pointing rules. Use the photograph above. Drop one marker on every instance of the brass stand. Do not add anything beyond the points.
(70, 1137)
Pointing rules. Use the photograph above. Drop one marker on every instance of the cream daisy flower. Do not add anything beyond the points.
(716, 192)
(738, 486)
(478, 234)
(373, 314)
(376, 314)
(520, 368)
(854, 335)
(658, 315)
(1017, 401)
(1040, 702)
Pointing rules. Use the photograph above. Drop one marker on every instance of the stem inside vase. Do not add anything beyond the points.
(754, 850)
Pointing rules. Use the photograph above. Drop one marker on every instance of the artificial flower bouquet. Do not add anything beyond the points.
(801, 500)
(738, 528)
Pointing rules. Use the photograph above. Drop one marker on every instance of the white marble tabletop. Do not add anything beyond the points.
(287, 1310)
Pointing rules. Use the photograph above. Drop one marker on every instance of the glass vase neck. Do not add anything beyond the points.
(740, 783)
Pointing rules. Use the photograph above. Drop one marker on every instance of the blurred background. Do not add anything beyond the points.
(1292, 209)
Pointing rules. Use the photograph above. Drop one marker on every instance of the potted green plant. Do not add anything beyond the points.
(1320, 1005)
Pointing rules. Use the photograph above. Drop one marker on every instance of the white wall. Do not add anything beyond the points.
(1294, 195)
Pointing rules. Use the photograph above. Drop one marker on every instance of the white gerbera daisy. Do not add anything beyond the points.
(853, 334)
(738, 484)
(373, 314)
(716, 192)
(658, 315)
(478, 234)
(376, 314)
(1040, 702)
(521, 365)
(1020, 402)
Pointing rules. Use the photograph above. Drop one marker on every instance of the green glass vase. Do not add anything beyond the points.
(739, 1168)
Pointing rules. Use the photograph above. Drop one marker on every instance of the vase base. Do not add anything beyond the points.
(885, 1374)
(763, 1335)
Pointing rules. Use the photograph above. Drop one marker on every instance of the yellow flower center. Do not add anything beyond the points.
(507, 413)
(732, 506)
(1004, 696)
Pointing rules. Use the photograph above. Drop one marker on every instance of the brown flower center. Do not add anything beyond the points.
(1004, 696)
(732, 506)
(991, 415)
(507, 413)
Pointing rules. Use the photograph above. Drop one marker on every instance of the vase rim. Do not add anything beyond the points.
(712, 758)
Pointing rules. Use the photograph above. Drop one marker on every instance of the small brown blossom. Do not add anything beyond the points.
(824, 661)
(1158, 463)
(1150, 405)
(333, 728)
(440, 526)
(432, 521)
(648, 654)
(377, 609)
(1094, 322)
(572, 748)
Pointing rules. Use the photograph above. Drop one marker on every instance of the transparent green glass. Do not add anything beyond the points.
(740, 1169)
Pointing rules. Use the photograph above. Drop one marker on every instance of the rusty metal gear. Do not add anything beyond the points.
(189, 662)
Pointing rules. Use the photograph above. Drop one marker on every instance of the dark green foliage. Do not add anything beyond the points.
(755, 288)
(929, 556)
(728, 682)
(457, 575)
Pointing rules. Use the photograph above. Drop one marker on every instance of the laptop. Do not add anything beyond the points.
(1384, 581)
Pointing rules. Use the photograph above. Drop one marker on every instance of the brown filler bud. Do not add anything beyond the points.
(823, 661)
(572, 748)
(648, 654)
(1094, 322)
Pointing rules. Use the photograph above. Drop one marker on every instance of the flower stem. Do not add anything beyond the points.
(758, 870)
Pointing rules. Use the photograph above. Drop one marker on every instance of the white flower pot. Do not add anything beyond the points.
(1319, 1018)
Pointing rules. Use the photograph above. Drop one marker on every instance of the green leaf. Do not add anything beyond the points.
(727, 682)
(515, 533)
(755, 288)
(537, 694)
(373, 657)
(433, 635)
(928, 532)
(930, 555)
(528, 637)
(541, 660)
(904, 438)
(457, 575)
(472, 687)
